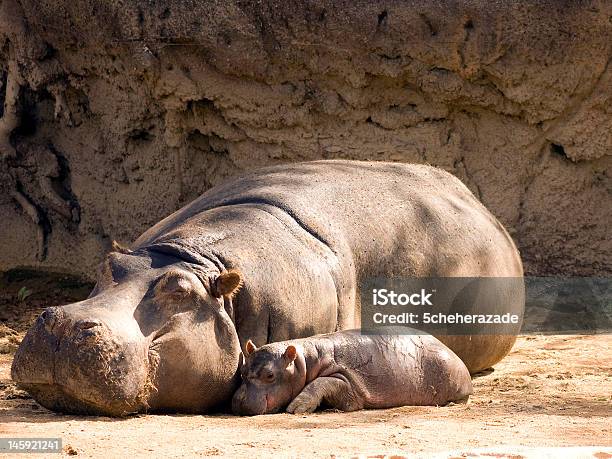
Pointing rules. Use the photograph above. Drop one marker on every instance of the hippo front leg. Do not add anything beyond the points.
(334, 391)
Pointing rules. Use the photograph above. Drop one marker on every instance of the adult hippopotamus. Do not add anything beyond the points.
(273, 255)
(350, 371)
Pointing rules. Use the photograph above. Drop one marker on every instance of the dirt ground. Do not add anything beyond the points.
(550, 391)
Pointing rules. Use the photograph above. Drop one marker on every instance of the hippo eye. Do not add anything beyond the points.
(268, 376)
(174, 285)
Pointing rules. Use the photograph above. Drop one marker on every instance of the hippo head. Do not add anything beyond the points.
(155, 334)
(272, 376)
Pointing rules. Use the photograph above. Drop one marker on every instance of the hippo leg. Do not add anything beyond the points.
(334, 391)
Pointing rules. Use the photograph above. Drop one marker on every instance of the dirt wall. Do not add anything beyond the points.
(117, 113)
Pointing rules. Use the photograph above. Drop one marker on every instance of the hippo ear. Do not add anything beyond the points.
(228, 283)
(290, 354)
(249, 347)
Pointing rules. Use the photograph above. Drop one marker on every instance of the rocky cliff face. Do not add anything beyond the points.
(117, 113)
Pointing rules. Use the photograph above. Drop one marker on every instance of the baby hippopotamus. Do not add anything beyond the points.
(350, 371)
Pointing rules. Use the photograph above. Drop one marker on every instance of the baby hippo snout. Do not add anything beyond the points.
(270, 378)
(248, 403)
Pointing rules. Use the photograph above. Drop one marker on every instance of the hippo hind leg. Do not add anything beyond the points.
(334, 392)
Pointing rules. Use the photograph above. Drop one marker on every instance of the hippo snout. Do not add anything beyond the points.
(81, 365)
(34, 360)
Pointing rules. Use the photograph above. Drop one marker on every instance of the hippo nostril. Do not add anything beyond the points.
(50, 317)
(87, 324)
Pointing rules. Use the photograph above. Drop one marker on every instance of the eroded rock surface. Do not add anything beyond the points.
(116, 113)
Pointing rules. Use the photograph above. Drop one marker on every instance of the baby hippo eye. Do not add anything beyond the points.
(268, 376)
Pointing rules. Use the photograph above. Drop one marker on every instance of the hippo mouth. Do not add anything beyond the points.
(58, 398)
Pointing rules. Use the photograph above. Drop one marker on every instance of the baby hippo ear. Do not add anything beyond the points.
(228, 283)
(290, 354)
(249, 347)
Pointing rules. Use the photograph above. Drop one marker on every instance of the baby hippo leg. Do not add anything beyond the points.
(334, 391)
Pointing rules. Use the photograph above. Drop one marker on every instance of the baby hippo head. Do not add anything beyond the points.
(271, 377)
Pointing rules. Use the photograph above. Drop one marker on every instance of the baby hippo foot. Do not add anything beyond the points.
(303, 403)
(329, 389)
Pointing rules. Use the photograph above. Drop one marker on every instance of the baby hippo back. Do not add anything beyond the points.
(387, 370)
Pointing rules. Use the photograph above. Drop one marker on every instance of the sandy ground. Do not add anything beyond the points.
(550, 391)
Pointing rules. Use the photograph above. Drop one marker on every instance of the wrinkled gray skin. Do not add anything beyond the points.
(157, 332)
(350, 371)
(150, 332)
